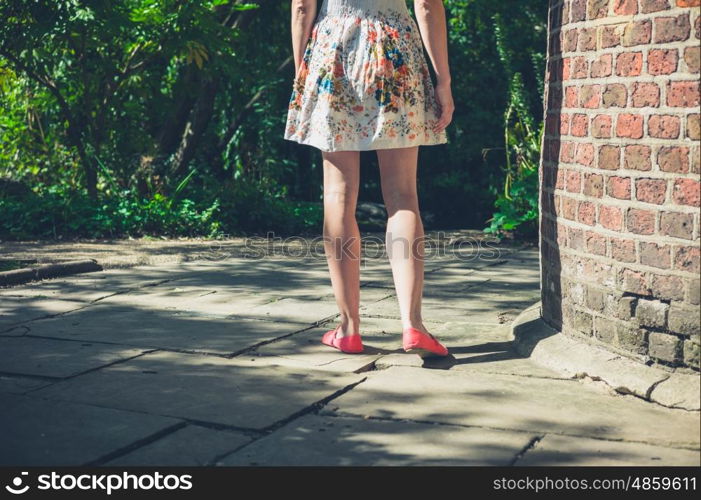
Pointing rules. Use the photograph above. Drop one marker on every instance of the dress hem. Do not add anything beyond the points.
(371, 147)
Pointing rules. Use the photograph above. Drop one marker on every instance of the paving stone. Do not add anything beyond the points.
(203, 300)
(57, 358)
(326, 441)
(519, 403)
(42, 432)
(16, 310)
(558, 450)
(153, 328)
(304, 349)
(190, 446)
(203, 388)
(17, 384)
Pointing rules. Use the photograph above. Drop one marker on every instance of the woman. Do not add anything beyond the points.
(362, 83)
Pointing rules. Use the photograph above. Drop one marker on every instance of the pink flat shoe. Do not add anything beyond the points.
(425, 345)
(352, 344)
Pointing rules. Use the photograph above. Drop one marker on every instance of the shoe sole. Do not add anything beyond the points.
(424, 353)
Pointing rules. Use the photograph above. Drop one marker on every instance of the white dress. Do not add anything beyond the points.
(363, 82)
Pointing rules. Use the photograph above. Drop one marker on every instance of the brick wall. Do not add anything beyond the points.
(620, 177)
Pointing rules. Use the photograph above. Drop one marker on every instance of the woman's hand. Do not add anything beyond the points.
(444, 97)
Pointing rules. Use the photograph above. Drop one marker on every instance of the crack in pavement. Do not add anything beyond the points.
(530, 445)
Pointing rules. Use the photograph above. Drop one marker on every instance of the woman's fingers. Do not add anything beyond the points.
(444, 97)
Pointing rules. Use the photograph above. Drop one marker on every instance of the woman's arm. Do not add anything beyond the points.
(303, 14)
(430, 17)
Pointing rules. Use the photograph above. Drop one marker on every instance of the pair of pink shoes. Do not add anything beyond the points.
(413, 340)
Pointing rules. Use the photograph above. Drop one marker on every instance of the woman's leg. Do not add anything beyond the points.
(405, 231)
(341, 234)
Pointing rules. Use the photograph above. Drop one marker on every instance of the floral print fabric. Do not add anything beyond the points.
(363, 82)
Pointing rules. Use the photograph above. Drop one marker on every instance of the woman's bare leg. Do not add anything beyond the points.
(405, 231)
(341, 234)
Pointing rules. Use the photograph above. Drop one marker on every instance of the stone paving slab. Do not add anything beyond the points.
(202, 388)
(153, 328)
(331, 441)
(556, 450)
(304, 349)
(204, 300)
(484, 348)
(57, 358)
(60, 433)
(17, 384)
(191, 446)
(19, 310)
(483, 308)
(573, 407)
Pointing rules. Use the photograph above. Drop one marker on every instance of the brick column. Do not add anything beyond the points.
(619, 177)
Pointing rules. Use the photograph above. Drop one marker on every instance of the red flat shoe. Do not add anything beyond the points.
(425, 345)
(351, 344)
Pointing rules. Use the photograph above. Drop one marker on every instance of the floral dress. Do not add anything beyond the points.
(363, 82)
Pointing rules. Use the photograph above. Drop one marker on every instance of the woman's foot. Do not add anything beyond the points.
(421, 342)
(350, 344)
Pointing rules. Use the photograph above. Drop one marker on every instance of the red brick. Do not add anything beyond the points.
(673, 159)
(634, 282)
(569, 40)
(622, 250)
(629, 63)
(565, 65)
(686, 192)
(585, 153)
(586, 214)
(611, 217)
(595, 242)
(672, 29)
(667, 287)
(647, 6)
(683, 94)
(663, 126)
(564, 124)
(651, 190)
(575, 238)
(601, 126)
(587, 39)
(640, 221)
(692, 127)
(597, 8)
(609, 157)
(688, 3)
(677, 224)
(637, 33)
(569, 208)
(637, 157)
(602, 66)
(579, 126)
(560, 179)
(567, 152)
(691, 58)
(571, 97)
(589, 96)
(629, 125)
(618, 187)
(645, 94)
(593, 185)
(578, 10)
(662, 61)
(614, 94)
(610, 36)
(573, 181)
(687, 259)
(580, 67)
(652, 254)
(625, 7)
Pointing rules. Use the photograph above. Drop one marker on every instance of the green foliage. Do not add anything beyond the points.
(166, 117)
